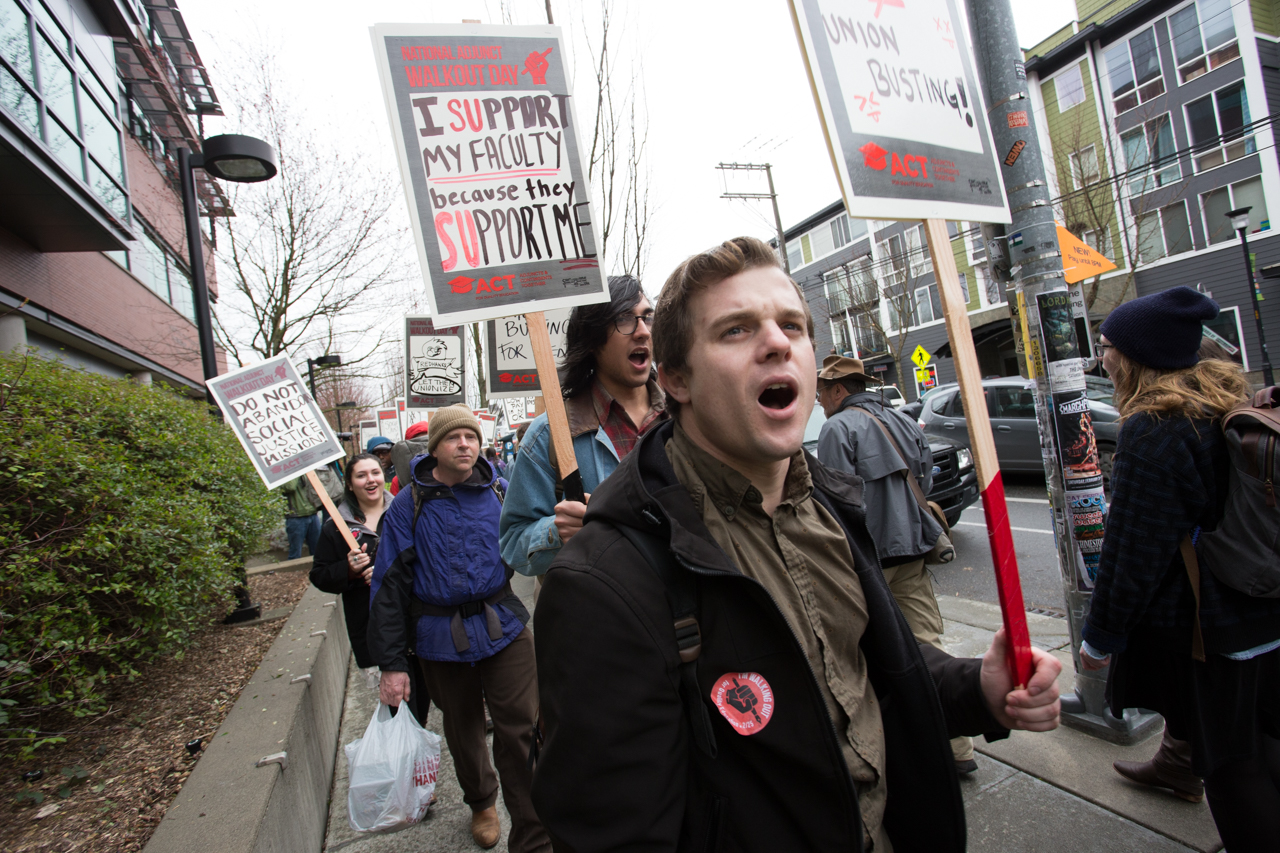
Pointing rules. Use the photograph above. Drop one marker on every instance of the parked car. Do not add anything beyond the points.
(915, 406)
(1012, 409)
(955, 482)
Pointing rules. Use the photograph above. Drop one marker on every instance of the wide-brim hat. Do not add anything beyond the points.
(843, 367)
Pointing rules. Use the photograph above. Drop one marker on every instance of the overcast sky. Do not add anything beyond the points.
(723, 81)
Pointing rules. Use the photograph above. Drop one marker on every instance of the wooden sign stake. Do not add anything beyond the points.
(338, 520)
(557, 417)
(990, 485)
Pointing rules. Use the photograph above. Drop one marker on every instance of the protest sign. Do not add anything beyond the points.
(368, 429)
(902, 108)
(276, 420)
(509, 363)
(389, 424)
(434, 364)
(483, 125)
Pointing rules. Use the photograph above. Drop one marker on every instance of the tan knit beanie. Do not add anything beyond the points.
(450, 418)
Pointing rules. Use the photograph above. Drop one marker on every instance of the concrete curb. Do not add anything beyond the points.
(229, 805)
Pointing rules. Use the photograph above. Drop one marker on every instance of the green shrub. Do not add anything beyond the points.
(125, 512)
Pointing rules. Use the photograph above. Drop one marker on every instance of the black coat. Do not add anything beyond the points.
(618, 768)
(329, 574)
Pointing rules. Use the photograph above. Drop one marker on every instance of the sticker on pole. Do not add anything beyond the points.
(483, 124)
(277, 421)
(745, 699)
(902, 109)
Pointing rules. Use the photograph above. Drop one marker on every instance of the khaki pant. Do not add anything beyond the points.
(913, 590)
(508, 683)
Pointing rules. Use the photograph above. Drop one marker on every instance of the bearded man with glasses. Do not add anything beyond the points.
(611, 396)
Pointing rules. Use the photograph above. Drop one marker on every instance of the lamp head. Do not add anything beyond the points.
(243, 159)
(350, 404)
(326, 361)
(1239, 218)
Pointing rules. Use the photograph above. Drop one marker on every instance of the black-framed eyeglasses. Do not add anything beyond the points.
(1102, 348)
(626, 324)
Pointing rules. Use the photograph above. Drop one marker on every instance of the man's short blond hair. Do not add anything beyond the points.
(673, 328)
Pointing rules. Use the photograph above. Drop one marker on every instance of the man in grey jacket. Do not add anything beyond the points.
(902, 530)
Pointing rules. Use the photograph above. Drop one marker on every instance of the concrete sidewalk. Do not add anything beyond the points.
(1032, 793)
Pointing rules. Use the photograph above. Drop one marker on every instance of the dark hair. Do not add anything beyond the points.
(588, 331)
(489, 452)
(673, 322)
(1209, 348)
(853, 386)
(348, 494)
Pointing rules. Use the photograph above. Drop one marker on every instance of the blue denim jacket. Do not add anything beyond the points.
(527, 533)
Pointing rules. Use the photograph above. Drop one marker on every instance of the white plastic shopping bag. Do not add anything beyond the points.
(392, 771)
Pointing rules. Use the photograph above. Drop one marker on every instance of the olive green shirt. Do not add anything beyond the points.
(801, 557)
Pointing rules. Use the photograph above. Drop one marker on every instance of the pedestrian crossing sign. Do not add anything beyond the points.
(921, 356)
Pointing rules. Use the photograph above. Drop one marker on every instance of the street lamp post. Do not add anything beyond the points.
(322, 361)
(229, 157)
(350, 404)
(1240, 221)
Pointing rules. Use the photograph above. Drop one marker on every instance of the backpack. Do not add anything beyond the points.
(332, 483)
(1244, 551)
(403, 453)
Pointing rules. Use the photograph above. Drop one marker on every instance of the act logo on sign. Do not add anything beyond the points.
(873, 156)
(745, 699)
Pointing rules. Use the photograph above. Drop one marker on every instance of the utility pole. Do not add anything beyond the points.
(1042, 299)
(767, 168)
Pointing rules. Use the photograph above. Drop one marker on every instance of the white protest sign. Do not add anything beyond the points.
(511, 370)
(389, 424)
(435, 364)
(368, 429)
(276, 420)
(484, 132)
(902, 108)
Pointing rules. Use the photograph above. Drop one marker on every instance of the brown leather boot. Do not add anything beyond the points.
(485, 828)
(1169, 768)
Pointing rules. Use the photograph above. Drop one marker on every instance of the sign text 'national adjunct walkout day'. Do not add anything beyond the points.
(484, 131)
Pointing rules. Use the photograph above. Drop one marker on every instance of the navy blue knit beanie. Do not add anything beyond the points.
(1162, 330)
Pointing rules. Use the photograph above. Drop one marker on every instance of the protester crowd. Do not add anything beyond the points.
(738, 643)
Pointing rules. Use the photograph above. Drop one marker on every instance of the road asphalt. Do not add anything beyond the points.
(1032, 793)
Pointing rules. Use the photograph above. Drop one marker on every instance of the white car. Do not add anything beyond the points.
(890, 395)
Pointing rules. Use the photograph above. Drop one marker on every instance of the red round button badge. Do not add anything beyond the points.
(745, 699)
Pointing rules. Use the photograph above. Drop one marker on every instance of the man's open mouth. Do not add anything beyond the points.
(639, 357)
(779, 395)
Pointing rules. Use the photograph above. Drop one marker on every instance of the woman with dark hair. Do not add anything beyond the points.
(1170, 483)
(340, 570)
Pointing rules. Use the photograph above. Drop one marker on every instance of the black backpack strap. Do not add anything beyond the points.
(683, 598)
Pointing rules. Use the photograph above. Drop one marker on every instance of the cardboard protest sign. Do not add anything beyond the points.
(483, 123)
(389, 424)
(434, 364)
(902, 108)
(368, 429)
(276, 420)
(509, 363)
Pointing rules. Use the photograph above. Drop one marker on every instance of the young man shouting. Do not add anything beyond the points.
(721, 664)
(440, 585)
(611, 397)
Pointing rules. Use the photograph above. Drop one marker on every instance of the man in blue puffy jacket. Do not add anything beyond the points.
(440, 586)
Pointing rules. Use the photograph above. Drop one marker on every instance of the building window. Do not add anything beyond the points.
(1216, 203)
(928, 304)
(918, 251)
(1204, 37)
(795, 255)
(1134, 69)
(160, 270)
(1099, 241)
(1217, 125)
(806, 249)
(975, 248)
(49, 88)
(1084, 167)
(1069, 86)
(1164, 232)
(892, 261)
(840, 231)
(1149, 153)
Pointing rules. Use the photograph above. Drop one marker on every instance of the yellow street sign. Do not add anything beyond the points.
(921, 356)
(1078, 260)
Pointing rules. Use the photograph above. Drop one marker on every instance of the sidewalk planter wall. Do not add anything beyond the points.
(229, 805)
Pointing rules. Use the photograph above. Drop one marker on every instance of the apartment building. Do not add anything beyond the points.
(1155, 119)
(96, 97)
(871, 287)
